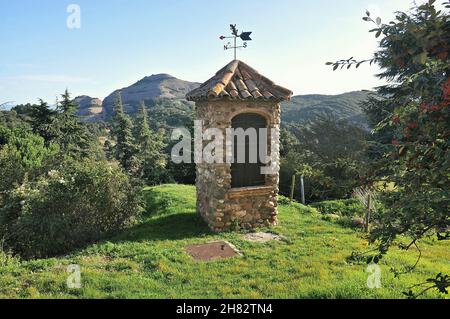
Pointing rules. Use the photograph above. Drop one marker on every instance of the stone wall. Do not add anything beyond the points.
(222, 207)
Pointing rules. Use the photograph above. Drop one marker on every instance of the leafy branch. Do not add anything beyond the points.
(411, 128)
(408, 269)
(440, 282)
(351, 61)
(442, 237)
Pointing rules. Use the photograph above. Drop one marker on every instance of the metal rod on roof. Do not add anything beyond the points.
(244, 36)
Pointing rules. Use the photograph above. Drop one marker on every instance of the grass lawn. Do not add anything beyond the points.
(149, 260)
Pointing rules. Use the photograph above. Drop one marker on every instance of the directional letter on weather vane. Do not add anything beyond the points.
(244, 36)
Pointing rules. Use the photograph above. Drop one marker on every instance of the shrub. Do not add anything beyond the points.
(346, 222)
(21, 153)
(67, 208)
(7, 259)
(347, 207)
(283, 200)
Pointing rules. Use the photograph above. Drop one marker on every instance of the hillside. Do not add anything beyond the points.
(150, 89)
(169, 93)
(306, 108)
(150, 260)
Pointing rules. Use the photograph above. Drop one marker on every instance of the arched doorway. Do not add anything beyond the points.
(247, 173)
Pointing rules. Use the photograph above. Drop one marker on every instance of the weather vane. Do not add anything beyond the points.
(244, 36)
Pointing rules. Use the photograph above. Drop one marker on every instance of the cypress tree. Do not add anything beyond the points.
(152, 159)
(125, 148)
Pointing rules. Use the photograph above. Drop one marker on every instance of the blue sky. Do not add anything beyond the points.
(121, 41)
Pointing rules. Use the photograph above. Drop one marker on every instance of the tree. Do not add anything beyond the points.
(288, 141)
(125, 149)
(14, 117)
(330, 153)
(22, 153)
(151, 157)
(72, 135)
(413, 127)
(42, 118)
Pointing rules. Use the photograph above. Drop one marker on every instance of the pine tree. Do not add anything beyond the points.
(42, 118)
(125, 148)
(144, 133)
(152, 159)
(72, 135)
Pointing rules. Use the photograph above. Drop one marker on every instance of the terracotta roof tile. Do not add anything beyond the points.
(237, 80)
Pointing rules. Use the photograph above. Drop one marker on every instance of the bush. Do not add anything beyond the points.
(21, 153)
(283, 200)
(348, 207)
(7, 259)
(347, 222)
(67, 208)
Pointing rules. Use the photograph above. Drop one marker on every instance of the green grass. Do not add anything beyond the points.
(149, 260)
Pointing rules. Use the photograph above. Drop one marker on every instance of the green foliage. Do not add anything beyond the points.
(288, 142)
(440, 282)
(97, 129)
(169, 114)
(22, 153)
(414, 113)
(30, 148)
(57, 126)
(7, 259)
(13, 119)
(414, 53)
(125, 148)
(283, 200)
(150, 154)
(329, 153)
(348, 207)
(56, 194)
(150, 260)
(306, 109)
(78, 203)
(71, 135)
(183, 173)
(42, 121)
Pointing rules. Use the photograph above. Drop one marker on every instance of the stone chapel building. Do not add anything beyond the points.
(237, 195)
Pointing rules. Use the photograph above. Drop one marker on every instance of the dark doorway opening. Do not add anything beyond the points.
(247, 174)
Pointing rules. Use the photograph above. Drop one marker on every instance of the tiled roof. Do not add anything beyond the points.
(236, 81)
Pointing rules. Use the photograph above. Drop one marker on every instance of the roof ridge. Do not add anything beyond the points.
(238, 80)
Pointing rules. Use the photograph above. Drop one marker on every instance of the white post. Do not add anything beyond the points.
(302, 189)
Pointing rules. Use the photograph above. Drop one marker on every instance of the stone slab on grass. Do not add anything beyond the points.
(212, 251)
(263, 237)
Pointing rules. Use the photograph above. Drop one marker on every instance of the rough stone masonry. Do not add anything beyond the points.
(237, 89)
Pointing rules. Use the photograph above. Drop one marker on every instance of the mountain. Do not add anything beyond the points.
(303, 109)
(89, 108)
(150, 89)
(164, 95)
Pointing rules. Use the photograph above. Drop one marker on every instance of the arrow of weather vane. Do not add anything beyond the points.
(244, 36)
